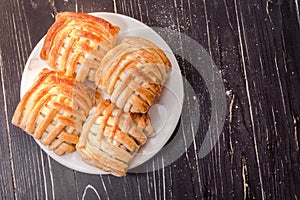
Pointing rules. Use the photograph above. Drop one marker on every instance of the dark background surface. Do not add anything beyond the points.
(256, 46)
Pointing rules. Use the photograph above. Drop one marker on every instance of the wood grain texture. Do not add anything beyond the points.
(256, 46)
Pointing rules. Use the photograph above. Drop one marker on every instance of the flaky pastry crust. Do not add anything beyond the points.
(110, 137)
(133, 73)
(53, 111)
(76, 43)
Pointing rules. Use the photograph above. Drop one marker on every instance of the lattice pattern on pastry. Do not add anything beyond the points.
(133, 73)
(54, 110)
(110, 137)
(76, 43)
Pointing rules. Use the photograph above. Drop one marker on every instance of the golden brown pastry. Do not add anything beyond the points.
(53, 111)
(110, 137)
(133, 73)
(76, 43)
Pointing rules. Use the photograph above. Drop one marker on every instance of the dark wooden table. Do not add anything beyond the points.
(256, 47)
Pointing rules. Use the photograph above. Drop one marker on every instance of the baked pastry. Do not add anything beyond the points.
(133, 73)
(76, 43)
(110, 137)
(53, 111)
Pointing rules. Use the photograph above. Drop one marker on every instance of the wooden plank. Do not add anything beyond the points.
(238, 58)
(63, 181)
(256, 46)
(7, 178)
(28, 173)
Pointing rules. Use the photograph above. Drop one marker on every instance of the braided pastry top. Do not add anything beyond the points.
(110, 137)
(133, 73)
(76, 43)
(53, 111)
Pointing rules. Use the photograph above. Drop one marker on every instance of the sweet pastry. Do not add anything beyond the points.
(54, 110)
(110, 137)
(133, 73)
(58, 109)
(76, 43)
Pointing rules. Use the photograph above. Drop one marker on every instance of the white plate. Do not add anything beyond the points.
(164, 114)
